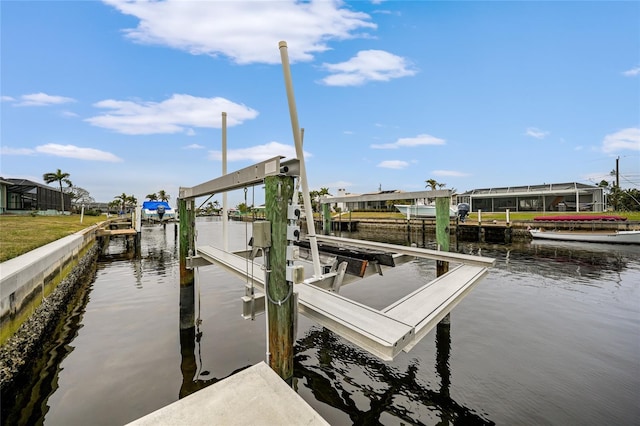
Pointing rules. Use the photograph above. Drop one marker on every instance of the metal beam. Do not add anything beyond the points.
(414, 251)
(249, 176)
(389, 196)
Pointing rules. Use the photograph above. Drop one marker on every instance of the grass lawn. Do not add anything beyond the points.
(21, 233)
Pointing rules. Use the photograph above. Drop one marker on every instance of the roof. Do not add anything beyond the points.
(23, 185)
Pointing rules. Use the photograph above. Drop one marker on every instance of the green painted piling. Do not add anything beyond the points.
(443, 337)
(326, 219)
(442, 231)
(280, 306)
(186, 212)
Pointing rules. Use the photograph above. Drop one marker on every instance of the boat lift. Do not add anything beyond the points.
(335, 262)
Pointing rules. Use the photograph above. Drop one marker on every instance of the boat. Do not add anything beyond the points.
(615, 237)
(157, 211)
(422, 210)
(579, 218)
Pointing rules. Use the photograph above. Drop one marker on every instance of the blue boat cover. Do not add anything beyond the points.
(153, 205)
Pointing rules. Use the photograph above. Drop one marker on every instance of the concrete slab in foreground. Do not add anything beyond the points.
(255, 396)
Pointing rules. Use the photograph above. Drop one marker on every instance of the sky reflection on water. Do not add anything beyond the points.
(549, 336)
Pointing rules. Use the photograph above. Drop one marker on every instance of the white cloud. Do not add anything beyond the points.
(174, 115)
(366, 66)
(536, 133)
(69, 114)
(449, 173)
(42, 99)
(72, 151)
(622, 140)
(245, 31)
(393, 164)
(258, 153)
(7, 99)
(419, 140)
(5, 150)
(193, 146)
(338, 184)
(632, 72)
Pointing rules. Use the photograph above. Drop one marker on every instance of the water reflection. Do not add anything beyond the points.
(194, 377)
(581, 262)
(370, 391)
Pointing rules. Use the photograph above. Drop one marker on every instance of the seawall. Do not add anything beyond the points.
(472, 231)
(25, 281)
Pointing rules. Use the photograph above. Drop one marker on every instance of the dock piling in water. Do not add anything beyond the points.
(279, 291)
(187, 215)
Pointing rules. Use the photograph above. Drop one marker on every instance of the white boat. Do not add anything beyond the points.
(157, 211)
(617, 237)
(422, 210)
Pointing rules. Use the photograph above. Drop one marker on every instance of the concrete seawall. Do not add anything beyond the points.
(472, 231)
(27, 279)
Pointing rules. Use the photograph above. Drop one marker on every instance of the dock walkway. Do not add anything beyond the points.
(255, 396)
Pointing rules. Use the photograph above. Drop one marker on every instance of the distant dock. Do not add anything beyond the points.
(499, 232)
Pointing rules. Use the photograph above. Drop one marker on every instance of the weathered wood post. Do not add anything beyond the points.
(326, 219)
(443, 329)
(138, 227)
(280, 306)
(186, 212)
(442, 231)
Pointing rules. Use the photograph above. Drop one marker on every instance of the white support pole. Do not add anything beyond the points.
(308, 209)
(138, 216)
(225, 235)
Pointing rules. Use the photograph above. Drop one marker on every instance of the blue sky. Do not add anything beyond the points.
(127, 96)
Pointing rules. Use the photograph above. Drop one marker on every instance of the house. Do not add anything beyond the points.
(374, 201)
(369, 201)
(571, 196)
(25, 196)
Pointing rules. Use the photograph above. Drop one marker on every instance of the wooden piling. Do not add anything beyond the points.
(187, 215)
(442, 231)
(326, 219)
(280, 306)
(442, 238)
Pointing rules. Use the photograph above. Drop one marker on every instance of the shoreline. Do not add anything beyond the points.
(38, 332)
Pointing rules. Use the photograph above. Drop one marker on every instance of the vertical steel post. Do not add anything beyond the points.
(186, 212)
(297, 138)
(225, 218)
(280, 306)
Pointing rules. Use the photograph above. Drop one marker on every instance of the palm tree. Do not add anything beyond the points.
(131, 201)
(122, 201)
(433, 184)
(59, 177)
(152, 197)
(163, 196)
(114, 205)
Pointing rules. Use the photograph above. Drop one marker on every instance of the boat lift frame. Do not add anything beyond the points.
(385, 332)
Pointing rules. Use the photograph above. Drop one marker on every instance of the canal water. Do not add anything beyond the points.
(550, 336)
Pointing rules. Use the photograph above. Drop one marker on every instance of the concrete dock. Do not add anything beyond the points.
(255, 396)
